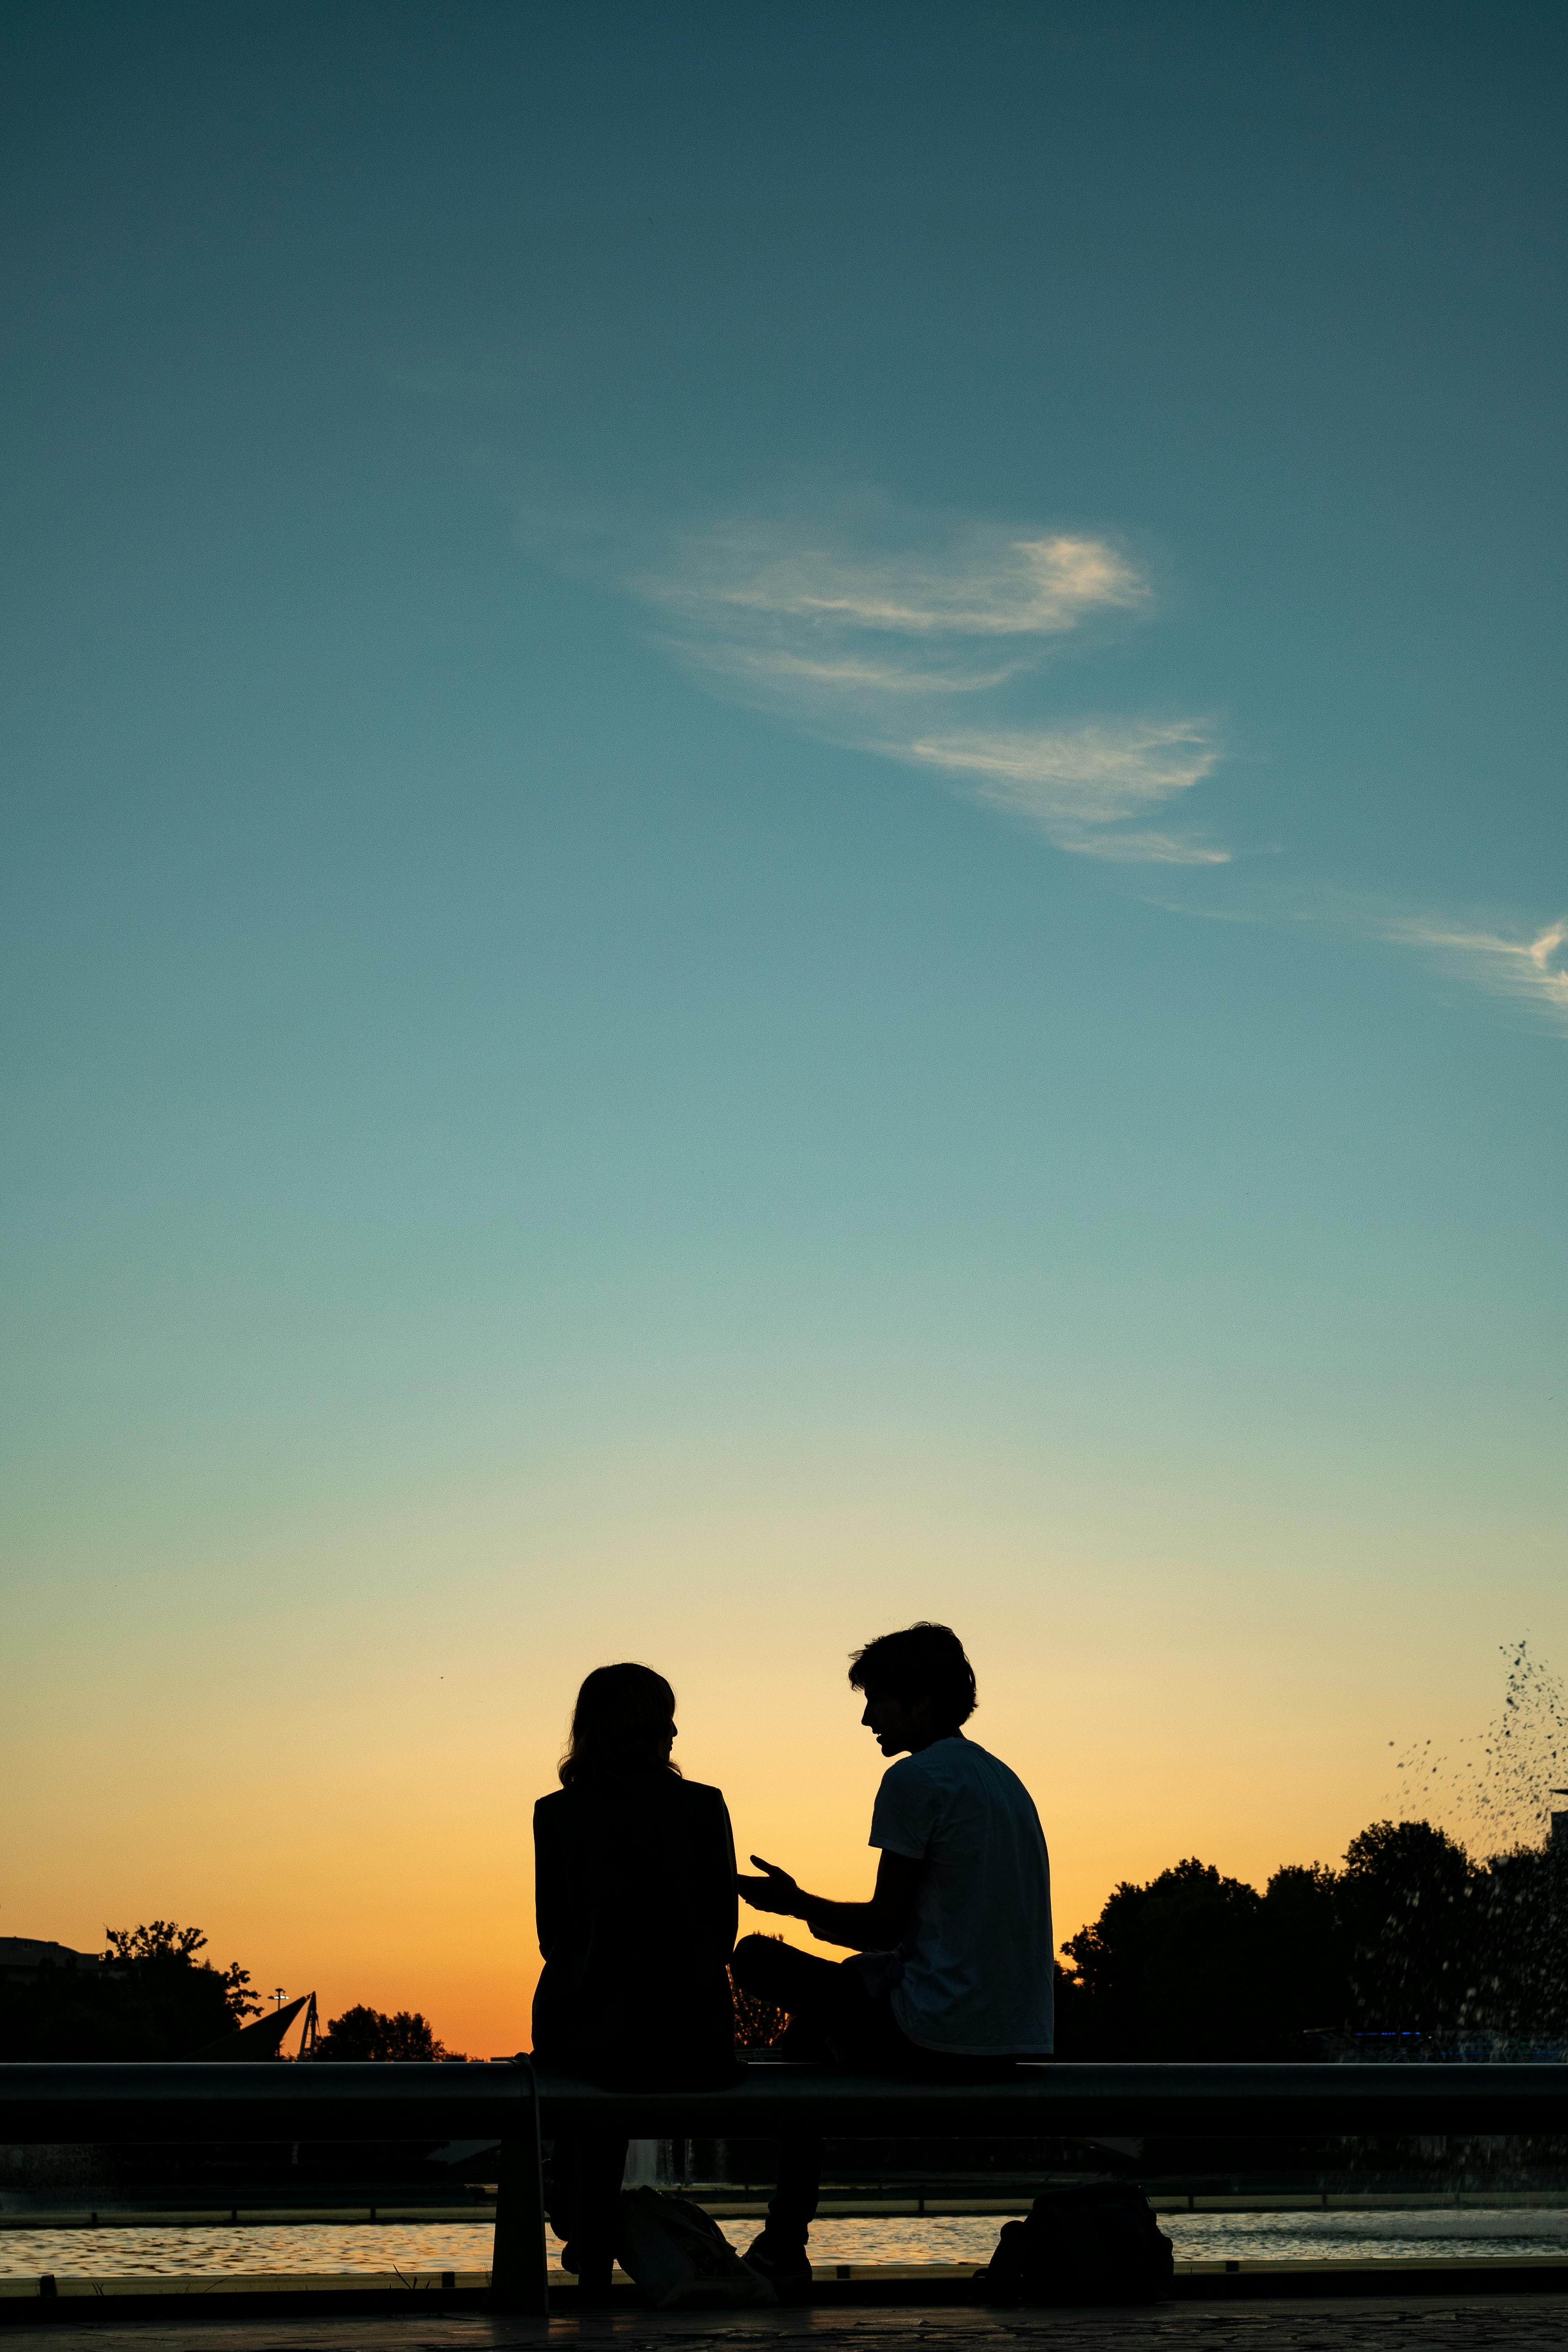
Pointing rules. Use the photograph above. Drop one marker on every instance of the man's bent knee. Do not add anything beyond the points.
(751, 1952)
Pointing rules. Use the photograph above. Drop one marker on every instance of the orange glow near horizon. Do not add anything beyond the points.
(767, 876)
(363, 1828)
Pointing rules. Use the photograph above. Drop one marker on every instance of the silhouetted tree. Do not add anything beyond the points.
(1519, 1944)
(1407, 1898)
(361, 2032)
(1303, 1954)
(1410, 1937)
(153, 1999)
(1170, 1969)
(160, 1946)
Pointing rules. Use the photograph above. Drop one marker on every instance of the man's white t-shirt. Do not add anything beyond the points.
(978, 1952)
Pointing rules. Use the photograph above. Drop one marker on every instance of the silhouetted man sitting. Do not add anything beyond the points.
(951, 1978)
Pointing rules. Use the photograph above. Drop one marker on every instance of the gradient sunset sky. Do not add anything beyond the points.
(786, 847)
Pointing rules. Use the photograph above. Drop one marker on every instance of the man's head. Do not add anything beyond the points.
(918, 1686)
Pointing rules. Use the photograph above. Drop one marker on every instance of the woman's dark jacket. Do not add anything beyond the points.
(635, 1894)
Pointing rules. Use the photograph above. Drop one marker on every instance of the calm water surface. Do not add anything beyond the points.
(218, 2250)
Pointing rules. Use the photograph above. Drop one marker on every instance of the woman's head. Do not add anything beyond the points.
(623, 1721)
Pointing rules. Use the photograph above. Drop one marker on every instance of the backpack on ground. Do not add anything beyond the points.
(1099, 2243)
(680, 2258)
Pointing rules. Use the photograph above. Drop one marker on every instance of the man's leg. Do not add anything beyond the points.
(821, 1999)
(811, 1992)
(832, 2019)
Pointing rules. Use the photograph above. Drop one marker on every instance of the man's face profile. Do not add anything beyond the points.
(896, 1723)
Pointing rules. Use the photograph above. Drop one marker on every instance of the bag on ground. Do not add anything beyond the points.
(1099, 2243)
(680, 2258)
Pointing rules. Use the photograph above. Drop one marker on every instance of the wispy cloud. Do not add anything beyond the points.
(932, 640)
(976, 581)
(887, 630)
(1532, 969)
(1529, 966)
(1077, 783)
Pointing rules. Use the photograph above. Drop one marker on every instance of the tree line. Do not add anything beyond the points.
(1409, 1937)
(157, 1997)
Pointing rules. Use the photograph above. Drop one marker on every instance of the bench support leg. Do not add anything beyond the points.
(518, 2265)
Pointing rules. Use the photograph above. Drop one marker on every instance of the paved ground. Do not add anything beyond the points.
(1500, 2322)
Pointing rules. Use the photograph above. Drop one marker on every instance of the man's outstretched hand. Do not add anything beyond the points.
(777, 1892)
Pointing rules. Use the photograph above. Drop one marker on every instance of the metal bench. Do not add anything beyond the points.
(513, 2106)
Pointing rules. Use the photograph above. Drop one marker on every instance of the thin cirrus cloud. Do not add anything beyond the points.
(1081, 783)
(1532, 970)
(918, 651)
(1527, 967)
(921, 638)
(977, 581)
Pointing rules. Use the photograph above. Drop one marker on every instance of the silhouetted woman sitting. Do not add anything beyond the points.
(635, 1894)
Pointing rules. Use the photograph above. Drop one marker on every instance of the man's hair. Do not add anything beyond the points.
(924, 1661)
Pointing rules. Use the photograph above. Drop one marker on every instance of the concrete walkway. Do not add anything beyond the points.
(1500, 2322)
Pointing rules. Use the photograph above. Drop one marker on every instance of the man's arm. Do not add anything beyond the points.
(864, 1927)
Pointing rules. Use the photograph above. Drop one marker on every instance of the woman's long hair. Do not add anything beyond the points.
(622, 1722)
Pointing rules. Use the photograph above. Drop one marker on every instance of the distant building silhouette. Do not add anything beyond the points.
(23, 1956)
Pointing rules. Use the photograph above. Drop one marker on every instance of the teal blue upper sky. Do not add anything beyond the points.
(767, 740)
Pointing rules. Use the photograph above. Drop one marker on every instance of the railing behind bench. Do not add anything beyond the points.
(509, 2104)
(214, 2101)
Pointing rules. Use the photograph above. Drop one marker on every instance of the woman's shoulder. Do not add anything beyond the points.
(658, 1788)
(698, 1796)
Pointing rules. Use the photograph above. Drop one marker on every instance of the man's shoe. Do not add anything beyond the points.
(594, 2273)
(785, 2265)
